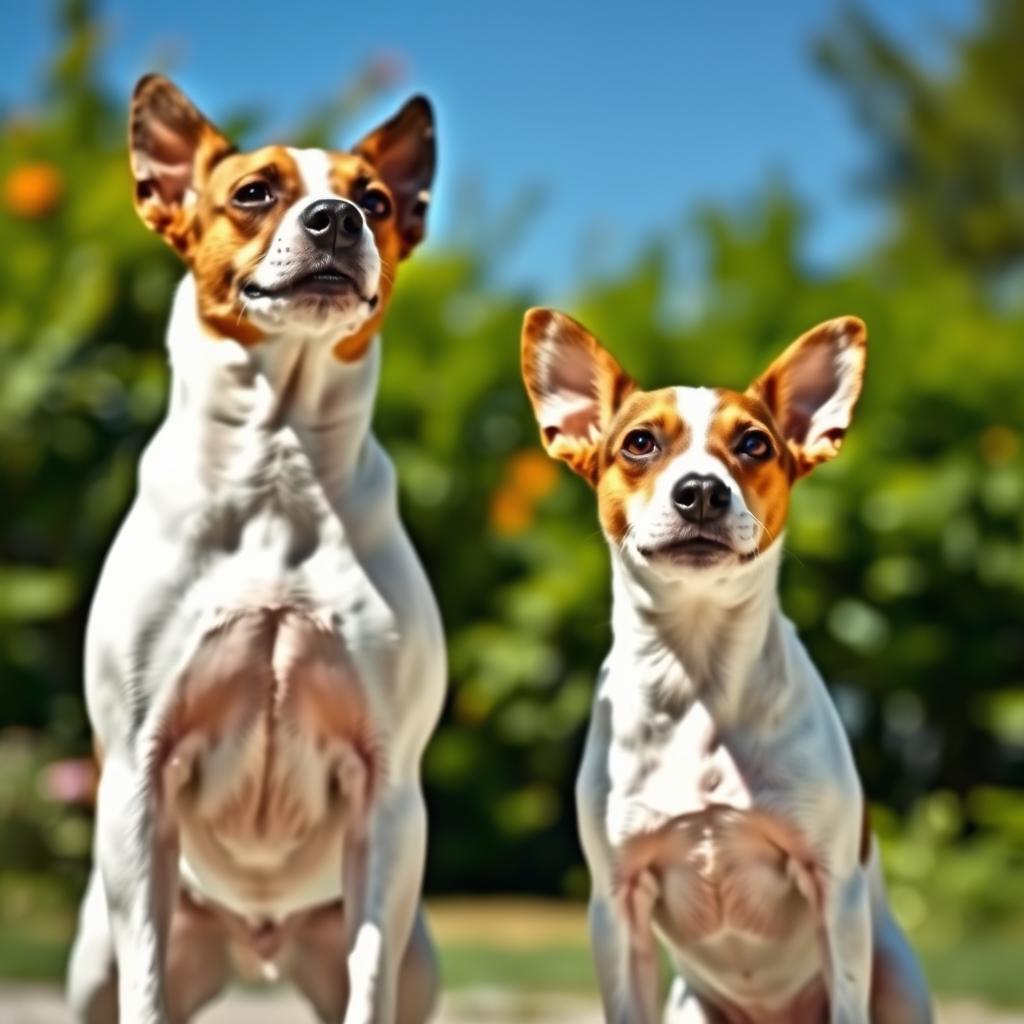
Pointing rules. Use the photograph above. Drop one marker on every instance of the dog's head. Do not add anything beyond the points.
(283, 240)
(692, 478)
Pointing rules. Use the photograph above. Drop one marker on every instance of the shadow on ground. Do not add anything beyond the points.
(37, 1005)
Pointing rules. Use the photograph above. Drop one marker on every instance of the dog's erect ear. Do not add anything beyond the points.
(812, 388)
(575, 387)
(404, 153)
(173, 149)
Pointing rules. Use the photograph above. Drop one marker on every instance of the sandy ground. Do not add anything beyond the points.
(26, 1005)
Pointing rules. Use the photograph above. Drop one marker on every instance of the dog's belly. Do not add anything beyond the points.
(268, 762)
(734, 902)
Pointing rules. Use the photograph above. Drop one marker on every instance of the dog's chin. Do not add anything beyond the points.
(330, 302)
(318, 284)
(693, 553)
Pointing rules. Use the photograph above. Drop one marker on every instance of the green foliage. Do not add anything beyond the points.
(43, 849)
(907, 569)
(948, 144)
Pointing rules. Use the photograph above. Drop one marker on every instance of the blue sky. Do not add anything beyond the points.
(624, 114)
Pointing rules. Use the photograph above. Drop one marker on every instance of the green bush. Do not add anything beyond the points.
(907, 569)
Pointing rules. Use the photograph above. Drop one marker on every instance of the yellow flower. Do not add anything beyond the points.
(33, 190)
(998, 444)
(471, 705)
(511, 514)
(533, 474)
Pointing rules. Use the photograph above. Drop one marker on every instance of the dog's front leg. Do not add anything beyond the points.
(139, 870)
(686, 1007)
(626, 954)
(847, 945)
(382, 879)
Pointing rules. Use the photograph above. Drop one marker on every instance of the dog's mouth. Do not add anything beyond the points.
(697, 551)
(320, 282)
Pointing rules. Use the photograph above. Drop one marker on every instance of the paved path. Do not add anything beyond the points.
(21, 1005)
(26, 1005)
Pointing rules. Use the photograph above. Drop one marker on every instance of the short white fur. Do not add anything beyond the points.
(719, 805)
(263, 494)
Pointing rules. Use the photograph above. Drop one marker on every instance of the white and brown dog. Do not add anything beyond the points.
(718, 801)
(264, 659)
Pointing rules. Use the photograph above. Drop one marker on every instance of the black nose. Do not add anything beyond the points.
(700, 499)
(332, 223)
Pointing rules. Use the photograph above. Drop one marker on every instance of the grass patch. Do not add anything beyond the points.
(535, 947)
(28, 955)
(986, 968)
(544, 969)
(516, 944)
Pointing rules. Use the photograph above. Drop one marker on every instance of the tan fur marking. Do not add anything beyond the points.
(820, 364)
(350, 176)
(619, 479)
(186, 172)
(552, 339)
(402, 152)
(803, 402)
(765, 484)
(229, 242)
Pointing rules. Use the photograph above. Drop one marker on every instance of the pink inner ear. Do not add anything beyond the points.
(399, 164)
(807, 388)
(570, 410)
(170, 144)
(571, 415)
(166, 159)
(568, 376)
(570, 396)
(172, 180)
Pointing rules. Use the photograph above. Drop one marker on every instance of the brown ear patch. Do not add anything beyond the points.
(619, 480)
(404, 154)
(173, 148)
(812, 389)
(574, 385)
(226, 242)
(765, 483)
(350, 176)
(353, 348)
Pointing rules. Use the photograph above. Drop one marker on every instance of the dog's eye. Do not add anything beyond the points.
(755, 444)
(253, 194)
(376, 203)
(639, 444)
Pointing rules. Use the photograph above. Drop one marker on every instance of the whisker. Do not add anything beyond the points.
(764, 526)
(785, 550)
(792, 554)
(243, 272)
(625, 538)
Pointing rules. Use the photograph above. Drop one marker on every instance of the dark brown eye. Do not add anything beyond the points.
(376, 203)
(253, 194)
(639, 444)
(755, 444)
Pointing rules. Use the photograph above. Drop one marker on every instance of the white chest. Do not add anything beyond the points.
(694, 818)
(663, 767)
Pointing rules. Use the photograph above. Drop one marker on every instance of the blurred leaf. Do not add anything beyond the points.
(27, 594)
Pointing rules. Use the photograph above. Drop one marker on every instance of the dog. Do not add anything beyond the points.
(264, 658)
(718, 802)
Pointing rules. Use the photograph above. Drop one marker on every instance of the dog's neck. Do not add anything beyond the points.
(704, 636)
(224, 390)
